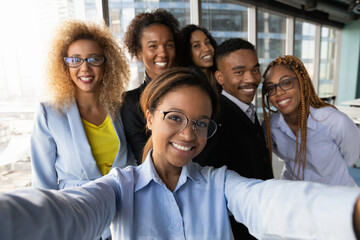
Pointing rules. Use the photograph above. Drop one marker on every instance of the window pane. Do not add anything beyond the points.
(305, 44)
(271, 43)
(271, 35)
(123, 11)
(327, 62)
(225, 19)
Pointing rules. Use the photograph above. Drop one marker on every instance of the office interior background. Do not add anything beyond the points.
(324, 34)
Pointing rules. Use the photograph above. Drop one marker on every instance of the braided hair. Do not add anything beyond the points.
(308, 97)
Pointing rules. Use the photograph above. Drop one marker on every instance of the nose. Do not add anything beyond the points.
(84, 66)
(205, 47)
(162, 51)
(189, 133)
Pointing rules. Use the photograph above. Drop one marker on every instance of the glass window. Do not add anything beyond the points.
(271, 35)
(304, 46)
(225, 19)
(123, 11)
(271, 43)
(327, 62)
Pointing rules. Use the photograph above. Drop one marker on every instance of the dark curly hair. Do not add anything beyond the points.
(133, 34)
(230, 46)
(185, 36)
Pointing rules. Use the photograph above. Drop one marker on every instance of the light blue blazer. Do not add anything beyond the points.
(61, 155)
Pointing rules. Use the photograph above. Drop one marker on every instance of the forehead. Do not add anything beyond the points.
(278, 71)
(242, 57)
(156, 32)
(197, 35)
(192, 100)
(84, 46)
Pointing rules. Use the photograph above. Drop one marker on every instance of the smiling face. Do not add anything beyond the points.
(87, 78)
(287, 102)
(157, 49)
(239, 74)
(173, 148)
(202, 52)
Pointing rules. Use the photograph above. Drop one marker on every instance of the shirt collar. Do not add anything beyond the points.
(147, 172)
(243, 106)
(279, 121)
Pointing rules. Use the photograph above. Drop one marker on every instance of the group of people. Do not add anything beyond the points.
(188, 153)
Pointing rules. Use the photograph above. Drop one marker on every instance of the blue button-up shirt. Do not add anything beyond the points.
(140, 206)
(332, 145)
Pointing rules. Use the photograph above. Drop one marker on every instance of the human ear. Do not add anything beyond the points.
(139, 55)
(149, 119)
(219, 78)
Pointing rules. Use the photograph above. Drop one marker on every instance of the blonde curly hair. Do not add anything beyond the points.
(116, 70)
(308, 98)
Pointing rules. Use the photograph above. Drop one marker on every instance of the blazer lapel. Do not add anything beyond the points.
(237, 112)
(81, 144)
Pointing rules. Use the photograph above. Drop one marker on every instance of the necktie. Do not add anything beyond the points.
(251, 114)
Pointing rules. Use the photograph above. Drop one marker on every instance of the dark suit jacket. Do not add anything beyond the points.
(240, 145)
(134, 120)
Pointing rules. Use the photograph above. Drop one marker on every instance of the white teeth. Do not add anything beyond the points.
(207, 57)
(162, 64)
(85, 79)
(181, 147)
(284, 101)
(248, 89)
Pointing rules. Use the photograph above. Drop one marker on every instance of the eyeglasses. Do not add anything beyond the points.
(74, 62)
(204, 128)
(285, 84)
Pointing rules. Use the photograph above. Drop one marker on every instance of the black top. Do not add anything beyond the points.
(240, 144)
(134, 120)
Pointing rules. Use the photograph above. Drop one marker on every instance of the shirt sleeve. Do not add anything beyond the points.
(347, 138)
(279, 209)
(43, 153)
(74, 213)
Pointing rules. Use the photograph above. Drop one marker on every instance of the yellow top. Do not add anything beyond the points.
(104, 143)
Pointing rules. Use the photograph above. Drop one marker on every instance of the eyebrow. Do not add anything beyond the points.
(178, 110)
(242, 67)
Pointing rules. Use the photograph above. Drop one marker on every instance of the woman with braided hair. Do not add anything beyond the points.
(317, 142)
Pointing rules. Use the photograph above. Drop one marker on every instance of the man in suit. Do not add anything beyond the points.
(239, 142)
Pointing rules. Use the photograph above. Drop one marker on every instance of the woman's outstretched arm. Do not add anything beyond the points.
(75, 213)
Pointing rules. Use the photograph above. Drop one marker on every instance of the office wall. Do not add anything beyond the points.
(349, 75)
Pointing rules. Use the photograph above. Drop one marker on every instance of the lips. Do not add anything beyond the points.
(86, 79)
(180, 147)
(249, 88)
(161, 64)
(207, 57)
(283, 102)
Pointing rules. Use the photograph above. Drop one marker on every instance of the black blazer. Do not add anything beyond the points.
(240, 145)
(134, 120)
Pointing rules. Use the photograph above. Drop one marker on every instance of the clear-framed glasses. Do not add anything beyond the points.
(284, 84)
(204, 128)
(74, 62)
